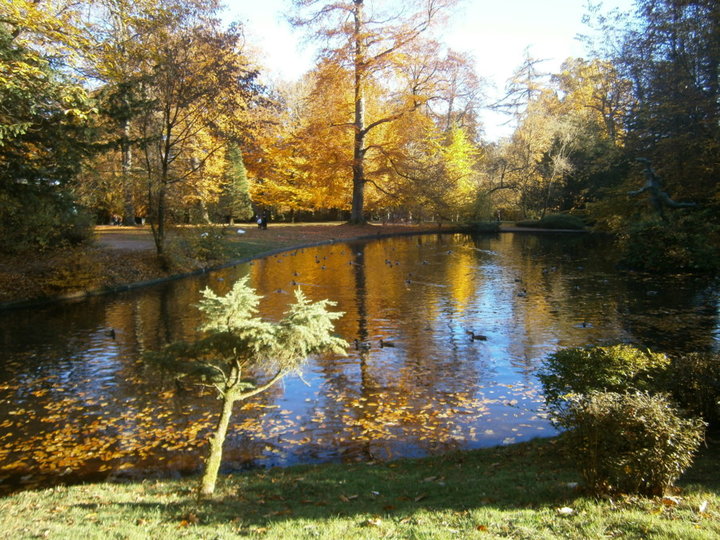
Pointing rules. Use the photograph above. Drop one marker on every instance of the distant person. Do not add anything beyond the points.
(259, 222)
(265, 220)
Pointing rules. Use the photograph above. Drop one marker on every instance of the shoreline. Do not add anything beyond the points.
(108, 247)
(122, 242)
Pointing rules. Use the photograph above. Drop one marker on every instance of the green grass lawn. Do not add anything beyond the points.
(520, 491)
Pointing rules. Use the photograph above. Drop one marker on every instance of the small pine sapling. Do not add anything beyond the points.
(242, 355)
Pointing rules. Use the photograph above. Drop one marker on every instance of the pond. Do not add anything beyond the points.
(78, 403)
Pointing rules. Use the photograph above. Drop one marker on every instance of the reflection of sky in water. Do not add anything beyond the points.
(74, 401)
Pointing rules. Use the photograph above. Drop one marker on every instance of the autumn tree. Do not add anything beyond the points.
(319, 147)
(598, 99)
(667, 50)
(366, 40)
(568, 146)
(201, 86)
(45, 123)
(277, 158)
(514, 172)
(460, 94)
(431, 153)
(242, 355)
(673, 63)
(116, 30)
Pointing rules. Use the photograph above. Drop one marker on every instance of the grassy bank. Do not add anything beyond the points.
(520, 491)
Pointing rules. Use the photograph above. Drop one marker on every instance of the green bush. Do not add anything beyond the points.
(685, 243)
(554, 221)
(694, 381)
(485, 226)
(616, 368)
(194, 247)
(32, 220)
(74, 269)
(205, 244)
(629, 442)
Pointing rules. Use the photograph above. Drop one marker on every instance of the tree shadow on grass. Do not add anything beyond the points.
(705, 471)
(529, 475)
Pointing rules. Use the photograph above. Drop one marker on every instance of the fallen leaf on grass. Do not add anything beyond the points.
(565, 511)
(702, 507)
(671, 501)
(276, 513)
(189, 519)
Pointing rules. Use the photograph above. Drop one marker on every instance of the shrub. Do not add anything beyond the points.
(616, 368)
(194, 247)
(694, 381)
(554, 221)
(686, 243)
(32, 220)
(484, 226)
(206, 244)
(74, 269)
(629, 442)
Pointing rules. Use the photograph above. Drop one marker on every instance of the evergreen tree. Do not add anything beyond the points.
(235, 200)
(243, 355)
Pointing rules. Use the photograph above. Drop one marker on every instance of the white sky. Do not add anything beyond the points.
(495, 32)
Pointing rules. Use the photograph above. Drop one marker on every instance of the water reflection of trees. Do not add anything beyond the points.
(379, 399)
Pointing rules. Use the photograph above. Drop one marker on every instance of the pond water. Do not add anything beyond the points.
(77, 402)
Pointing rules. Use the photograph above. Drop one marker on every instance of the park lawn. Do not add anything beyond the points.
(526, 490)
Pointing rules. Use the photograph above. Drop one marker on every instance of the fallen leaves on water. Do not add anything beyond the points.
(60, 427)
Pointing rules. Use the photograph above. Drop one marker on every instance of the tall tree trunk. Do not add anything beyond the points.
(357, 215)
(204, 212)
(158, 228)
(212, 466)
(129, 210)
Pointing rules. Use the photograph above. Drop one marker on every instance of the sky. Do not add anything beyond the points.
(495, 32)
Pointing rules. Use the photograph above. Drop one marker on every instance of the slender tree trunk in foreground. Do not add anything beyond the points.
(212, 466)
